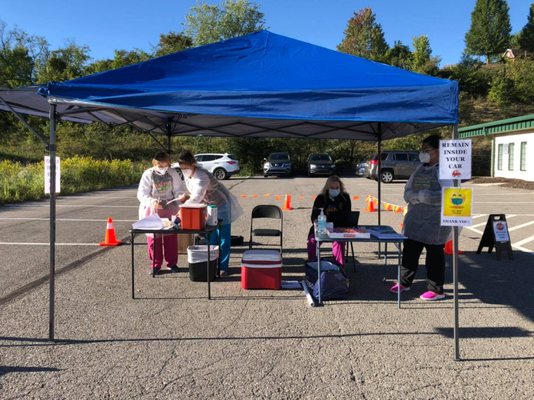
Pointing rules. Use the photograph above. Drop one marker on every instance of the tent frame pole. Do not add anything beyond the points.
(168, 132)
(455, 238)
(52, 275)
(39, 135)
(379, 173)
(379, 180)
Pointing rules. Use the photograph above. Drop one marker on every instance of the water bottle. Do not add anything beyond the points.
(212, 215)
(321, 224)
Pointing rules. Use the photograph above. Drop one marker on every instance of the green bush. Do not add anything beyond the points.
(78, 174)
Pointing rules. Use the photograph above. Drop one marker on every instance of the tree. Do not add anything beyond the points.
(399, 55)
(64, 64)
(489, 34)
(521, 72)
(526, 36)
(364, 37)
(207, 23)
(122, 59)
(171, 43)
(472, 78)
(501, 90)
(422, 60)
(20, 56)
(16, 67)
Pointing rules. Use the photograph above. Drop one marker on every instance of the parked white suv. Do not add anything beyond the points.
(222, 166)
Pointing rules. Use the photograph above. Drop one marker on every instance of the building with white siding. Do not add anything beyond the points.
(512, 149)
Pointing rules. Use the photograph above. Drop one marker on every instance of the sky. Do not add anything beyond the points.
(108, 25)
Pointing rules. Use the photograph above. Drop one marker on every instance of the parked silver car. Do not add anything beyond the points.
(394, 165)
(277, 164)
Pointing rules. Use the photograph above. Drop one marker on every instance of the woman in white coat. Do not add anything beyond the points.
(205, 188)
(159, 185)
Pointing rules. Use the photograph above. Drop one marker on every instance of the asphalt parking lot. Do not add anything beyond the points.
(172, 342)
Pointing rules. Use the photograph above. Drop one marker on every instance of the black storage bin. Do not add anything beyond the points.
(197, 256)
(197, 271)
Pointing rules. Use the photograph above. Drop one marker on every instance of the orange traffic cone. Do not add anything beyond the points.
(370, 204)
(448, 248)
(110, 238)
(287, 203)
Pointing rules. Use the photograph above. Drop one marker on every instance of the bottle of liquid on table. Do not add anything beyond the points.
(321, 224)
(212, 215)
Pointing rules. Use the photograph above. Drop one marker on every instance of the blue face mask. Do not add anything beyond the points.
(334, 192)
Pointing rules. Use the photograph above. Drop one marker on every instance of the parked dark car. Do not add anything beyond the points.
(394, 165)
(320, 164)
(277, 164)
(361, 168)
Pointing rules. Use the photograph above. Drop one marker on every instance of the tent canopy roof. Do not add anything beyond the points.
(258, 85)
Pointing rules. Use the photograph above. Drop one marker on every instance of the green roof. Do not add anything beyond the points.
(498, 127)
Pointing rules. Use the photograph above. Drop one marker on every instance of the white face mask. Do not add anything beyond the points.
(188, 172)
(424, 157)
(162, 170)
(334, 192)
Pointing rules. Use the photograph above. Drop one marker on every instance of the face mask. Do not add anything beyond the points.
(334, 192)
(187, 172)
(424, 157)
(162, 170)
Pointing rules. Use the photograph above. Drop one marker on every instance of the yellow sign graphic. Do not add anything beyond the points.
(457, 202)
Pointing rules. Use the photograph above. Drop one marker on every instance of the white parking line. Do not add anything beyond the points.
(65, 205)
(507, 202)
(97, 197)
(517, 246)
(64, 219)
(526, 240)
(520, 226)
(46, 244)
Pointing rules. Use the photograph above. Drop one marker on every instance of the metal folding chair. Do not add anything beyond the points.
(271, 212)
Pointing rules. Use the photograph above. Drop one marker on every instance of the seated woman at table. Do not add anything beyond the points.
(158, 185)
(334, 200)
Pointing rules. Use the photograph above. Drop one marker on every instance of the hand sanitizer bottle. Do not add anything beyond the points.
(321, 224)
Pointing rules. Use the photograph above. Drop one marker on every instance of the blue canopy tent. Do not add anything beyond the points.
(258, 85)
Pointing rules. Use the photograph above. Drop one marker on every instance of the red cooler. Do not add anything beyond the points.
(261, 269)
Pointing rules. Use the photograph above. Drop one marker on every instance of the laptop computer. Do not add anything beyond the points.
(344, 219)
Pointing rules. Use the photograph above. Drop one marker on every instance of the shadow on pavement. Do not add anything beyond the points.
(5, 369)
(506, 282)
(485, 332)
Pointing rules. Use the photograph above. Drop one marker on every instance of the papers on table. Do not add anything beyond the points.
(385, 233)
(151, 222)
(347, 233)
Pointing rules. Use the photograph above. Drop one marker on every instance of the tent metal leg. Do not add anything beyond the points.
(52, 275)
(455, 272)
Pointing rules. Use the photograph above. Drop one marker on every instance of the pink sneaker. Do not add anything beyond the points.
(395, 288)
(431, 296)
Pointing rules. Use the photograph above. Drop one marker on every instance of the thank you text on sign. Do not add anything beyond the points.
(47, 175)
(455, 159)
